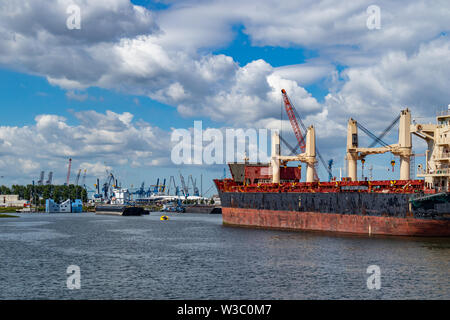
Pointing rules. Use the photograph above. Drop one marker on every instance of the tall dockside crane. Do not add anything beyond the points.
(109, 185)
(50, 178)
(41, 179)
(68, 172)
(162, 187)
(307, 147)
(194, 185)
(156, 187)
(172, 181)
(83, 181)
(184, 186)
(78, 177)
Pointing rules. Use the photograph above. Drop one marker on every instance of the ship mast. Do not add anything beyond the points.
(308, 148)
(403, 148)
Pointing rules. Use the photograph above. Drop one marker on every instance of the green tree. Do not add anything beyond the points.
(5, 190)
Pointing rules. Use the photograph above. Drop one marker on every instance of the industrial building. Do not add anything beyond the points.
(11, 200)
(64, 207)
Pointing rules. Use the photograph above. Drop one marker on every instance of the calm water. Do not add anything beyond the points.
(195, 257)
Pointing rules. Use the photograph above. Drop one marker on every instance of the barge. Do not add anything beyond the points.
(119, 210)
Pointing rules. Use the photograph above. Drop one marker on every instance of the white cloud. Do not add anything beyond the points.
(419, 81)
(167, 56)
(169, 62)
(76, 96)
(97, 169)
(111, 137)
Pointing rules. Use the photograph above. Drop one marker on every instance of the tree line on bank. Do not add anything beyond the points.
(58, 193)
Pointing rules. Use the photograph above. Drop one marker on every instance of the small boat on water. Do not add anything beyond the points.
(173, 207)
(120, 210)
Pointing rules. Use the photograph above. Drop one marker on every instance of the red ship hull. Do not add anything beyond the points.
(335, 222)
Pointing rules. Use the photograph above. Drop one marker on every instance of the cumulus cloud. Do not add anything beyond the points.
(160, 55)
(144, 60)
(76, 96)
(101, 20)
(113, 138)
(167, 56)
(418, 81)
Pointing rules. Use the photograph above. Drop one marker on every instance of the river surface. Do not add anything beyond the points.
(192, 256)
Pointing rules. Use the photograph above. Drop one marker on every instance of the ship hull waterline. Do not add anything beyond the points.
(334, 222)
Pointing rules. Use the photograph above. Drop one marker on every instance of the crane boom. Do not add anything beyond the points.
(194, 185)
(295, 120)
(172, 180)
(294, 123)
(78, 177)
(183, 184)
(83, 181)
(68, 171)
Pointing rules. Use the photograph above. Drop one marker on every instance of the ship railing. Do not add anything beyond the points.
(443, 155)
(421, 171)
(445, 171)
(443, 113)
(440, 171)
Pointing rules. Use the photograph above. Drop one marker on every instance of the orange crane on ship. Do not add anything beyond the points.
(294, 123)
(291, 112)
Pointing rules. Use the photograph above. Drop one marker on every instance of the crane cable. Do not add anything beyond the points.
(385, 131)
(317, 149)
(371, 135)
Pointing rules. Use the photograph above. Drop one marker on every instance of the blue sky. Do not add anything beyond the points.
(222, 62)
(27, 96)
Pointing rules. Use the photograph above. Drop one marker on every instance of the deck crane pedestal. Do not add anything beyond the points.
(403, 148)
(78, 177)
(307, 147)
(68, 172)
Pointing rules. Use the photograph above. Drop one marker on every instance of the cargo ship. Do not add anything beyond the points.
(271, 195)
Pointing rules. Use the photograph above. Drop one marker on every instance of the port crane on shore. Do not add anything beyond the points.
(41, 179)
(177, 189)
(83, 181)
(184, 186)
(77, 179)
(50, 178)
(110, 183)
(194, 185)
(68, 172)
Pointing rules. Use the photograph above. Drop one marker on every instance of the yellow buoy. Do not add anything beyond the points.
(164, 218)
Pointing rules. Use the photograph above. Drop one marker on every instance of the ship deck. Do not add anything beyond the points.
(377, 186)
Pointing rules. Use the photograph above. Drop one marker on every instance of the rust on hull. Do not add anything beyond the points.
(335, 222)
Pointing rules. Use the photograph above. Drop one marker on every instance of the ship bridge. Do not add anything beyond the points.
(437, 165)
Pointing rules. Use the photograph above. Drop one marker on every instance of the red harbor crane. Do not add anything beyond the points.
(68, 171)
(293, 120)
